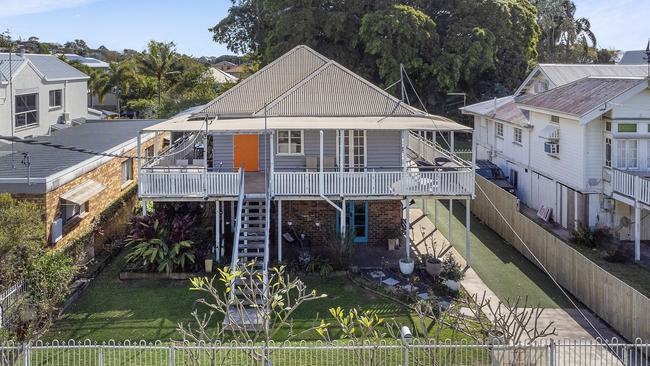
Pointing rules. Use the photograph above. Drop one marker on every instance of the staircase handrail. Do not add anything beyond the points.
(240, 204)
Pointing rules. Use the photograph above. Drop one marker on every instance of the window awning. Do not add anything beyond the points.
(83, 192)
(550, 132)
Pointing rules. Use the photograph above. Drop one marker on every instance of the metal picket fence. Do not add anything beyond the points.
(8, 300)
(549, 353)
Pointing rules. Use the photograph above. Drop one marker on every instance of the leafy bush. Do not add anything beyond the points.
(22, 238)
(320, 265)
(49, 279)
(451, 269)
(586, 237)
(339, 247)
(158, 254)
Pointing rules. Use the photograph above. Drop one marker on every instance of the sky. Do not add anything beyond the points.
(119, 24)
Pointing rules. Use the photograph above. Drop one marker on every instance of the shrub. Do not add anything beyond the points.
(451, 269)
(582, 236)
(159, 255)
(22, 234)
(49, 279)
(340, 247)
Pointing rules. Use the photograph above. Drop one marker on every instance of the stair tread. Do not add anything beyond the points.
(250, 254)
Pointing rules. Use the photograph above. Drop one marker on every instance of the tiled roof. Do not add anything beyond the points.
(302, 82)
(582, 96)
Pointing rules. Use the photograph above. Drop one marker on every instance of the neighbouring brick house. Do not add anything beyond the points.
(73, 188)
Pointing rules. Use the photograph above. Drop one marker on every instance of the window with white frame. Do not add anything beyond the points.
(26, 110)
(517, 137)
(56, 98)
(72, 211)
(354, 149)
(608, 152)
(499, 128)
(626, 154)
(127, 171)
(290, 142)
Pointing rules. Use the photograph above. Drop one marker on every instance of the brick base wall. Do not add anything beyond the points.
(317, 218)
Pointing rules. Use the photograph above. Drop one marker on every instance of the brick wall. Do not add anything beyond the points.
(316, 217)
(109, 174)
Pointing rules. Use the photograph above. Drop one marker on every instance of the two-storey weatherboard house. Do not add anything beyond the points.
(312, 142)
(39, 93)
(574, 139)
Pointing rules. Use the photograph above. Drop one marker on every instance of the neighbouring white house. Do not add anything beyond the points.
(108, 102)
(219, 76)
(575, 139)
(39, 93)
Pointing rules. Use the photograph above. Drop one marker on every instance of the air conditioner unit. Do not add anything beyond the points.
(552, 148)
(608, 204)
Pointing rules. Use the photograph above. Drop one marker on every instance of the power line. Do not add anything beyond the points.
(35, 142)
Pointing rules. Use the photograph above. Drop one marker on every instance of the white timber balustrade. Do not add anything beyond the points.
(369, 183)
(635, 187)
(163, 183)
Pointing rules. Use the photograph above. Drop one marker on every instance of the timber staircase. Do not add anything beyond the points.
(250, 248)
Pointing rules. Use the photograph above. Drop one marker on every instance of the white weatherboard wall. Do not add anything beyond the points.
(567, 167)
(74, 96)
(503, 152)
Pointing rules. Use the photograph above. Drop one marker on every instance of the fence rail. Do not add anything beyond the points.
(8, 299)
(319, 353)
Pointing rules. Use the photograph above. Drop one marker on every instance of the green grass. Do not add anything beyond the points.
(150, 310)
(503, 269)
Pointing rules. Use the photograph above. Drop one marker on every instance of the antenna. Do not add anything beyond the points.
(647, 56)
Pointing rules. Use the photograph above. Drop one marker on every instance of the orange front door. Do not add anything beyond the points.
(246, 152)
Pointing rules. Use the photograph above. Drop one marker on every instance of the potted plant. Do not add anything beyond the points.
(393, 236)
(432, 264)
(406, 266)
(452, 272)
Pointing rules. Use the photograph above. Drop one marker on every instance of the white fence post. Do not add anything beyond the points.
(172, 355)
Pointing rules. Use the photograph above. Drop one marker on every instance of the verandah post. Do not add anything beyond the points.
(279, 230)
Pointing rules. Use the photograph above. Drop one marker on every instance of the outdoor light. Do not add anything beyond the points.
(289, 223)
(407, 337)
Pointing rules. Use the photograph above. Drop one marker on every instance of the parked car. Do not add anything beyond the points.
(492, 172)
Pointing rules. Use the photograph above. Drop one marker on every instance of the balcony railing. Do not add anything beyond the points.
(385, 183)
(630, 185)
(188, 183)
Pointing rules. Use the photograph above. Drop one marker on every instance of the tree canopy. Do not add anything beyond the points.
(481, 47)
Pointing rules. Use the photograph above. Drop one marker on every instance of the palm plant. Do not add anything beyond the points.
(119, 78)
(157, 61)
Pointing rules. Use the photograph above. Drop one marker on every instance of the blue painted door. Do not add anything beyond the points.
(356, 219)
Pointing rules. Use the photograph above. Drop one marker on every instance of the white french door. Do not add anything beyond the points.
(354, 150)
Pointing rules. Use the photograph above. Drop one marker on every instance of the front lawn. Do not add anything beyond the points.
(150, 310)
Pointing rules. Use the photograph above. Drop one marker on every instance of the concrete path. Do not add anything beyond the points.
(569, 323)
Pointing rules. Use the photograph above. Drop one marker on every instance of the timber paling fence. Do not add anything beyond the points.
(547, 353)
(623, 307)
